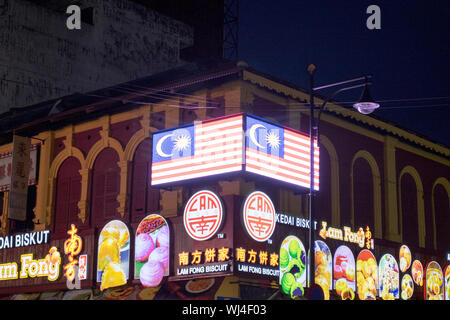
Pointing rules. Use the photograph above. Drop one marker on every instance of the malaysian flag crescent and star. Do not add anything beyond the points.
(203, 149)
(279, 152)
(219, 146)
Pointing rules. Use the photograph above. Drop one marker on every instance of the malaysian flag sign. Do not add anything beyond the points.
(279, 153)
(230, 144)
(203, 149)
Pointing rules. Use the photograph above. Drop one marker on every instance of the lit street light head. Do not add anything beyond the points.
(366, 103)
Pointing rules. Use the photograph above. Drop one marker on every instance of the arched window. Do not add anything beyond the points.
(67, 195)
(365, 187)
(105, 187)
(144, 198)
(363, 202)
(409, 210)
(441, 210)
(323, 199)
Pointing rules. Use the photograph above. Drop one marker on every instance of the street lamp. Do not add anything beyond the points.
(365, 105)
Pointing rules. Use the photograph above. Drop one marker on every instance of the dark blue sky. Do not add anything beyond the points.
(409, 57)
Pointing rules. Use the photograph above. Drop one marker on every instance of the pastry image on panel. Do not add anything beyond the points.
(113, 255)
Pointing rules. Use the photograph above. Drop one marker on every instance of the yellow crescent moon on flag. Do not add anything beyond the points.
(251, 134)
(159, 144)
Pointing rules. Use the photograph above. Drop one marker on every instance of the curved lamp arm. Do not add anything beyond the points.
(322, 107)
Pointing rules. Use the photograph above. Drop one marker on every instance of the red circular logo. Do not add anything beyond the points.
(203, 215)
(259, 216)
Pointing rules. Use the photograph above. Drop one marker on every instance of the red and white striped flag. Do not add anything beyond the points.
(203, 149)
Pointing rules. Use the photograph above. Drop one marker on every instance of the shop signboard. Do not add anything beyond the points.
(366, 275)
(389, 277)
(20, 172)
(6, 161)
(25, 239)
(258, 216)
(113, 260)
(82, 266)
(30, 267)
(361, 238)
(257, 262)
(203, 238)
(204, 262)
(72, 248)
(203, 215)
(152, 245)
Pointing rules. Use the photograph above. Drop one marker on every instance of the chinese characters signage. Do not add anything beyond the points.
(17, 206)
(259, 262)
(72, 247)
(6, 168)
(211, 260)
(259, 216)
(203, 215)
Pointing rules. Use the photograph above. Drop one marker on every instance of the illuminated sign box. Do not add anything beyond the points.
(232, 144)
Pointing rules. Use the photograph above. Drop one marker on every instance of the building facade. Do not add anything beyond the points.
(118, 41)
(94, 164)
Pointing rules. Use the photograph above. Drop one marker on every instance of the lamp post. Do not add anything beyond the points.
(365, 105)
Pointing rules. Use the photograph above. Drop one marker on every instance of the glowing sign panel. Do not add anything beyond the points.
(203, 215)
(233, 144)
(72, 247)
(259, 216)
(203, 149)
(279, 153)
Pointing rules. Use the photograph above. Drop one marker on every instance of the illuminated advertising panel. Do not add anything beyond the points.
(204, 262)
(407, 287)
(404, 258)
(72, 248)
(259, 262)
(279, 153)
(366, 275)
(151, 255)
(323, 267)
(113, 259)
(259, 216)
(447, 282)
(202, 149)
(292, 267)
(344, 272)
(203, 215)
(417, 272)
(389, 278)
(434, 282)
(29, 267)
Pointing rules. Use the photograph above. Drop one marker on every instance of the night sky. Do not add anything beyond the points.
(409, 57)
